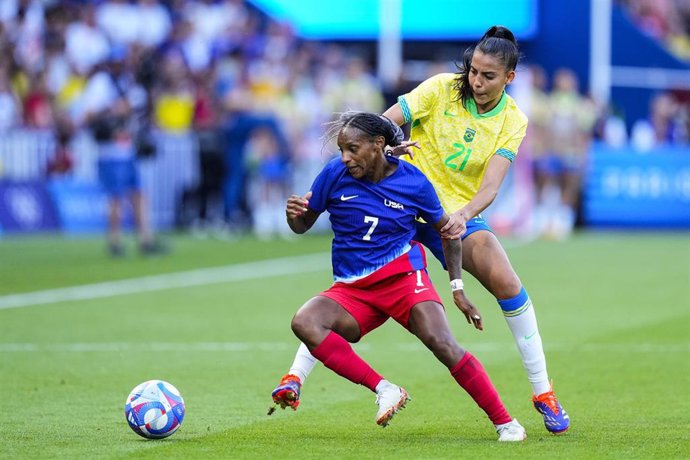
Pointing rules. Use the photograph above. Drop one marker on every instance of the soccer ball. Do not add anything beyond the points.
(154, 409)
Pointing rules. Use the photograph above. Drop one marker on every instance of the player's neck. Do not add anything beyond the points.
(488, 107)
(381, 169)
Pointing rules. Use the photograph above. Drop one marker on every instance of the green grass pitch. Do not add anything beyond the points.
(613, 309)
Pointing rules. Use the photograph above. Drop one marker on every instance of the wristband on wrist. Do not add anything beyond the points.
(457, 285)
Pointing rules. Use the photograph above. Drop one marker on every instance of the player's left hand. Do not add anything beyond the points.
(468, 309)
(405, 148)
(455, 227)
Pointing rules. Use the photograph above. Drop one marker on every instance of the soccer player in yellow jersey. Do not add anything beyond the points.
(468, 131)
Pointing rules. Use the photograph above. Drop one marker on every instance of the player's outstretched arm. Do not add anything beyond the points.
(395, 114)
(488, 190)
(452, 251)
(300, 217)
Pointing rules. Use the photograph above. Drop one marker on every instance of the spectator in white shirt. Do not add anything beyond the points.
(86, 44)
(154, 22)
(120, 20)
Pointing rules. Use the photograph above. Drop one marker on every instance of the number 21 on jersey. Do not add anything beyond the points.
(462, 154)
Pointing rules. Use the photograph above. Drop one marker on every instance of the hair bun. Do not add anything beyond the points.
(499, 32)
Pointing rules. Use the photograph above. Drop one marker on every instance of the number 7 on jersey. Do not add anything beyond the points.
(374, 221)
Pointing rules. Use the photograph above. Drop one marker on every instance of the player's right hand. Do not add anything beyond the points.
(297, 205)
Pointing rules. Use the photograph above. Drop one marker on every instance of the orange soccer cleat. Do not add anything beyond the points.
(286, 393)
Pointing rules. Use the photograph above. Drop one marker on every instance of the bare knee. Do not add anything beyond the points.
(318, 317)
(508, 287)
(305, 327)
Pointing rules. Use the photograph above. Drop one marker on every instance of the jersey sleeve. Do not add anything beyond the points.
(511, 143)
(321, 187)
(419, 102)
(430, 208)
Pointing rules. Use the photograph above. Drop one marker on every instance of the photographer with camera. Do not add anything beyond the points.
(112, 104)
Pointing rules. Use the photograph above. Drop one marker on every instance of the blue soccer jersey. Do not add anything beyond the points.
(373, 223)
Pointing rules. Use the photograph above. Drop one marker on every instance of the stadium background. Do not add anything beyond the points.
(78, 330)
(272, 72)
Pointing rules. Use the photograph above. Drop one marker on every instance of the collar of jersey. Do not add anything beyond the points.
(472, 108)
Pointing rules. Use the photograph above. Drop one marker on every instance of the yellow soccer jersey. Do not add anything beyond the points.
(456, 142)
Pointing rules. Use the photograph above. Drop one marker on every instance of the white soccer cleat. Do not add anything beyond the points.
(511, 432)
(390, 399)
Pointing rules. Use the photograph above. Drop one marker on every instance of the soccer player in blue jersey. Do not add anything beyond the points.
(468, 130)
(379, 272)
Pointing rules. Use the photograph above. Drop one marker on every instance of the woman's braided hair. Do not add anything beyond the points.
(370, 123)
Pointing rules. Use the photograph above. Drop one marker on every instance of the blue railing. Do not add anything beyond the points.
(30, 200)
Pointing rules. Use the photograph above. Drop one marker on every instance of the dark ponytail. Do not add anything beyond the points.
(499, 42)
(499, 32)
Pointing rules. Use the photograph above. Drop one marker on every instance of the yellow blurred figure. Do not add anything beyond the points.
(174, 111)
(71, 90)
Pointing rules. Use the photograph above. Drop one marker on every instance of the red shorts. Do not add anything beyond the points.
(392, 297)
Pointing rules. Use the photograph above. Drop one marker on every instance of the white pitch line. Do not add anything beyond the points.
(148, 347)
(200, 277)
(272, 347)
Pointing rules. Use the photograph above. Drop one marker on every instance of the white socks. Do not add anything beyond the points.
(303, 364)
(526, 334)
(522, 321)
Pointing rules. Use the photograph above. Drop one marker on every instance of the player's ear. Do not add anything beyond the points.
(380, 142)
(510, 77)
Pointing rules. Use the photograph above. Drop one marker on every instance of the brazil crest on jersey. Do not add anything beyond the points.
(457, 142)
(373, 223)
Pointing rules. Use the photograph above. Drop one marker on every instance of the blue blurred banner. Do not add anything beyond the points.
(26, 207)
(625, 188)
(82, 206)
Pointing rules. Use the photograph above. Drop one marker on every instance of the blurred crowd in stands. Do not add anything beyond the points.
(253, 93)
(666, 20)
(668, 122)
